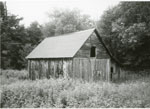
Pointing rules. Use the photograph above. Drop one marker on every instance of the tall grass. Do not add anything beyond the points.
(11, 76)
(73, 93)
(22, 74)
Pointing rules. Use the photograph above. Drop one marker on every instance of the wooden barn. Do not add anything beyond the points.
(79, 55)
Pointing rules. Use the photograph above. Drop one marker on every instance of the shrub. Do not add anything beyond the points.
(22, 74)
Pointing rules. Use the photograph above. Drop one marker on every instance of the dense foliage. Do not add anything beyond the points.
(16, 42)
(126, 31)
(16, 92)
(12, 41)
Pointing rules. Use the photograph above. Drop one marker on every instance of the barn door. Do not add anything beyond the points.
(91, 69)
(96, 69)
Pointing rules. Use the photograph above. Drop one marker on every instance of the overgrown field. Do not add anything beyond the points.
(17, 91)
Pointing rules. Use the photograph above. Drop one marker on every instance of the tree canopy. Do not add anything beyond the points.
(126, 31)
(63, 21)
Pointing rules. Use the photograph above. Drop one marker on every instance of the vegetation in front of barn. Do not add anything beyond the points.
(11, 76)
(16, 91)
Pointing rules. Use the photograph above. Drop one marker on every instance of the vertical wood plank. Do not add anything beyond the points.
(89, 70)
(70, 68)
(49, 69)
(81, 73)
(66, 68)
(73, 69)
(108, 69)
(29, 68)
(93, 68)
(53, 68)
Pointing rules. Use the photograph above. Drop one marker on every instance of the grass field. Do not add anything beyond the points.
(17, 91)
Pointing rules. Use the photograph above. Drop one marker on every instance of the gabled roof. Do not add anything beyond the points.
(63, 46)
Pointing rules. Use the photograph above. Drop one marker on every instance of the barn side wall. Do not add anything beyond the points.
(49, 68)
(120, 73)
(114, 71)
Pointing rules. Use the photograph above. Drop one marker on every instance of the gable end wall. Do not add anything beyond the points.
(84, 51)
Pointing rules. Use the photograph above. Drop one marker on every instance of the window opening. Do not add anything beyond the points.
(93, 51)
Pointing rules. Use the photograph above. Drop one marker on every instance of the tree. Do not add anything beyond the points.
(3, 11)
(66, 21)
(12, 40)
(125, 29)
(34, 33)
(16, 40)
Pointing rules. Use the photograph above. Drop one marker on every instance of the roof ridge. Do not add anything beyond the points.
(61, 35)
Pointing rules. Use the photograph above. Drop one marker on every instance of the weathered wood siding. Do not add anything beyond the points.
(49, 68)
(91, 69)
(93, 40)
(78, 68)
(116, 71)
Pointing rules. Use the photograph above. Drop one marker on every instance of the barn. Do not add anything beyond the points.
(79, 55)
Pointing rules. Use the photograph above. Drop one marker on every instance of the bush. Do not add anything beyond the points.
(71, 93)
(22, 74)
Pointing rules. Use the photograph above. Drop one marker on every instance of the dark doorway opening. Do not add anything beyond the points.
(93, 51)
(111, 73)
(111, 69)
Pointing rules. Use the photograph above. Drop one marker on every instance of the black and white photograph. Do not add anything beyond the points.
(74, 54)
